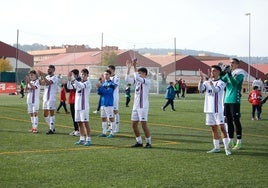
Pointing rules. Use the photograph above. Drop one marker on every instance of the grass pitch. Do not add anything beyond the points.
(178, 157)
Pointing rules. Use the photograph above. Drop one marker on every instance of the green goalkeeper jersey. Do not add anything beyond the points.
(233, 87)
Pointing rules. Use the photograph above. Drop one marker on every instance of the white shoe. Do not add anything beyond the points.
(72, 133)
(228, 152)
(76, 133)
(95, 112)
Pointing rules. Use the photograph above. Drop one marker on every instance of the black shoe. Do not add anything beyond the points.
(49, 132)
(148, 145)
(163, 108)
(136, 145)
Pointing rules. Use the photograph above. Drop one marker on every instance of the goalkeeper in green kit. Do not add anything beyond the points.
(233, 78)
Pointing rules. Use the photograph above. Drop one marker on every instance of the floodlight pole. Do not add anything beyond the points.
(17, 56)
(175, 73)
(249, 58)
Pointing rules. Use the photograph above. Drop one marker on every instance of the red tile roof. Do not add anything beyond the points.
(9, 51)
(261, 67)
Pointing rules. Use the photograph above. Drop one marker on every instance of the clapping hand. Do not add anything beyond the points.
(201, 75)
(40, 73)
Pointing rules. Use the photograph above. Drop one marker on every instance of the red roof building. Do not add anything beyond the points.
(25, 60)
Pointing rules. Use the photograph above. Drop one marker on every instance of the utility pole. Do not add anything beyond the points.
(175, 59)
(17, 56)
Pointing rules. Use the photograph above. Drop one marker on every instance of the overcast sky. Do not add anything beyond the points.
(212, 25)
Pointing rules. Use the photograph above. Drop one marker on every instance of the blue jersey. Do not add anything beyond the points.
(106, 91)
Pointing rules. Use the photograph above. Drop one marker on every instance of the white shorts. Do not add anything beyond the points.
(214, 119)
(107, 112)
(49, 105)
(81, 115)
(140, 114)
(32, 108)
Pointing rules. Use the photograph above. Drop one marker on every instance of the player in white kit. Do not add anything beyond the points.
(214, 108)
(50, 83)
(141, 102)
(116, 80)
(33, 88)
(82, 106)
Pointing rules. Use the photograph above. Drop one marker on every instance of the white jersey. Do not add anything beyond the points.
(214, 96)
(141, 98)
(33, 94)
(82, 94)
(116, 79)
(50, 91)
(259, 84)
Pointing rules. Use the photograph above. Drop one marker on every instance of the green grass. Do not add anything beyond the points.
(178, 157)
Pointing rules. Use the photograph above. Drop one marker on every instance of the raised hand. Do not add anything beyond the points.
(201, 74)
(128, 63)
(40, 73)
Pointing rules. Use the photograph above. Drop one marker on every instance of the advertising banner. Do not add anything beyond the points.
(6, 87)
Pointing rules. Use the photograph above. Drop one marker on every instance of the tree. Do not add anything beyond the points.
(109, 58)
(5, 65)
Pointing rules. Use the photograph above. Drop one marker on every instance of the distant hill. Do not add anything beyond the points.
(160, 51)
(163, 51)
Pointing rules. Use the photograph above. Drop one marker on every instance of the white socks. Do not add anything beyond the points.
(216, 144)
(104, 127)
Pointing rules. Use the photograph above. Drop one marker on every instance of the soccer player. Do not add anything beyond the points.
(71, 101)
(50, 83)
(106, 92)
(82, 106)
(141, 102)
(33, 88)
(213, 107)
(234, 80)
(116, 80)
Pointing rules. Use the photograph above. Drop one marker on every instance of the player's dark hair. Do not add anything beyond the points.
(108, 71)
(144, 70)
(85, 71)
(217, 67)
(51, 67)
(255, 87)
(32, 72)
(75, 71)
(111, 67)
(236, 60)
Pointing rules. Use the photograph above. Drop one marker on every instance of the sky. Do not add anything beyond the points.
(211, 25)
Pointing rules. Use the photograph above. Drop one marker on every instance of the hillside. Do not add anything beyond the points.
(254, 60)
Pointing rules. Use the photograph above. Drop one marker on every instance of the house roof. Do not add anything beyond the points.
(261, 67)
(183, 62)
(9, 51)
(68, 61)
(216, 62)
(164, 60)
(260, 70)
(143, 61)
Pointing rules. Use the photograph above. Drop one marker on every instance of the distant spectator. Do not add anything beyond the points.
(127, 94)
(255, 98)
(62, 100)
(170, 95)
(183, 88)
(176, 89)
(22, 87)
